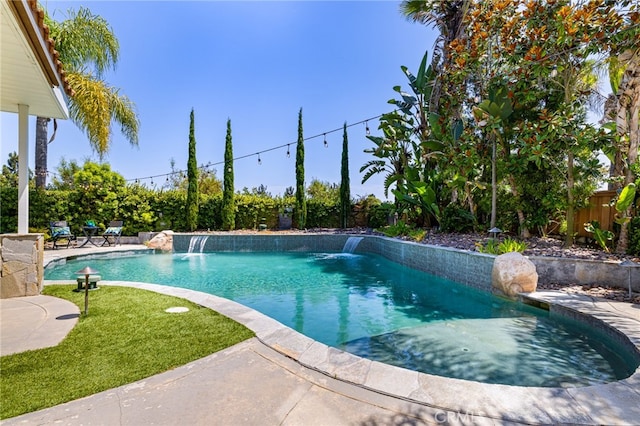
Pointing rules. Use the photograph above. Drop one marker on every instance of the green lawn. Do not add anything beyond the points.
(127, 336)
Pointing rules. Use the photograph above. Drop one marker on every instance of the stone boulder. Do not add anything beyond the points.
(513, 273)
(163, 241)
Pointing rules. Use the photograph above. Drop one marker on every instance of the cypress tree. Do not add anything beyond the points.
(192, 176)
(301, 201)
(345, 190)
(228, 202)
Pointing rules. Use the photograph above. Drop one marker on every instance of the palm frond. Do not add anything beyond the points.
(95, 106)
(84, 39)
(89, 110)
(123, 112)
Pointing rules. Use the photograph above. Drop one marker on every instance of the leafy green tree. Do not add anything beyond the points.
(87, 48)
(65, 173)
(192, 176)
(536, 53)
(345, 189)
(176, 179)
(9, 177)
(96, 194)
(301, 202)
(323, 191)
(228, 205)
(208, 182)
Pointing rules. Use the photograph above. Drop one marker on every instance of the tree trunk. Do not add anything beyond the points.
(472, 204)
(628, 119)
(568, 240)
(42, 124)
(494, 183)
(524, 231)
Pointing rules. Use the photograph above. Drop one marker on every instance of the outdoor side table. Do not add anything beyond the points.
(89, 232)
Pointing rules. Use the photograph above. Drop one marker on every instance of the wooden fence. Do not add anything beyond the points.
(598, 209)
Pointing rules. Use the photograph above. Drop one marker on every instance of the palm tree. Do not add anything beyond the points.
(627, 123)
(448, 18)
(87, 48)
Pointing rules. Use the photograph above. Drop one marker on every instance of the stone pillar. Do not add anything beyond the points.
(21, 264)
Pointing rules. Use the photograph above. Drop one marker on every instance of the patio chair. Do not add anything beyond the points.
(60, 231)
(113, 233)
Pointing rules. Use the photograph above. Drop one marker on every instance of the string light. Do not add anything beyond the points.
(287, 145)
(366, 129)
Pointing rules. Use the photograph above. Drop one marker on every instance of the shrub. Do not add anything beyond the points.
(323, 213)
(401, 229)
(379, 214)
(457, 219)
(508, 245)
(602, 236)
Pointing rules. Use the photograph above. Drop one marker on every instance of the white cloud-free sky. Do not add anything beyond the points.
(256, 63)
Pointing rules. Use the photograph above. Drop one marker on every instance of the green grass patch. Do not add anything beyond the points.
(126, 336)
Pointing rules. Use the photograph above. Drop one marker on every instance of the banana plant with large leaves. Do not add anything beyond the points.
(393, 151)
(491, 114)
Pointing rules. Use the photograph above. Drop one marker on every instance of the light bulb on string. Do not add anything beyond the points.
(326, 145)
(151, 181)
(366, 129)
(259, 160)
(167, 180)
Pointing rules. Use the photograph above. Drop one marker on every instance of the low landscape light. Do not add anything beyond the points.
(628, 264)
(86, 271)
(495, 231)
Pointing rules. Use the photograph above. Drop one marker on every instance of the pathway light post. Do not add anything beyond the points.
(628, 265)
(494, 232)
(86, 271)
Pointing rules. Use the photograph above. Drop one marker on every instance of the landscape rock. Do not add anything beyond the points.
(163, 241)
(513, 273)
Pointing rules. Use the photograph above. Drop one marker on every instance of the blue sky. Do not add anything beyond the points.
(256, 63)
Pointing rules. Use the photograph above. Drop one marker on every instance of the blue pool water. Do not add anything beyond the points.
(380, 310)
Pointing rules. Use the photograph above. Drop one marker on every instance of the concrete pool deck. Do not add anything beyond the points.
(283, 377)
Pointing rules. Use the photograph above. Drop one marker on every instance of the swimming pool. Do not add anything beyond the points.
(378, 309)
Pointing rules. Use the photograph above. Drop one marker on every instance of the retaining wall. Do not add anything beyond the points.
(585, 272)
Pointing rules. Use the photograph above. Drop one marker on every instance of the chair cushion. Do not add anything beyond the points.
(114, 230)
(60, 231)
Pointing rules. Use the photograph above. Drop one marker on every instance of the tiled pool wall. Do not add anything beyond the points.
(464, 267)
(585, 314)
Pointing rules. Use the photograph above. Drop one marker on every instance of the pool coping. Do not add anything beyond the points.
(613, 403)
